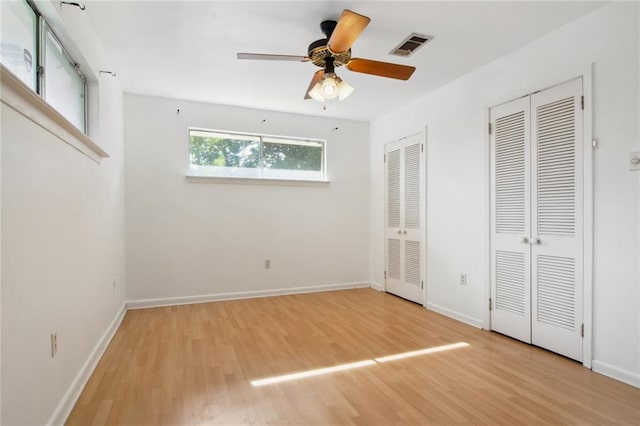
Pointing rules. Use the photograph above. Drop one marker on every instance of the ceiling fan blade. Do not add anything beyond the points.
(316, 78)
(267, 57)
(349, 27)
(382, 69)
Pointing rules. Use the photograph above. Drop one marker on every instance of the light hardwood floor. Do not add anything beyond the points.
(194, 364)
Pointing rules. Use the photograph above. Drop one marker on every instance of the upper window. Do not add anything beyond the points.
(59, 81)
(18, 41)
(63, 85)
(225, 154)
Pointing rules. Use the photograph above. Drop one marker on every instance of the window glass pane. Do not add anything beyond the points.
(18, 41)
(64, 87)
(292, 159)
(223, 154)
(220, 154)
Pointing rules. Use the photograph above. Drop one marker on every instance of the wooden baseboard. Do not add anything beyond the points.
(72, 394)
(185, 300)
(455, 315)
(376, 286)
(625, 376)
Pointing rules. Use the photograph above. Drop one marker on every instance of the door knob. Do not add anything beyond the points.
(524, 240)
(535, 241)
(404, 232)
(399, 231)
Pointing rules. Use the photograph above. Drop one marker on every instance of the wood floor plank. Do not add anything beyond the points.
(193, 364)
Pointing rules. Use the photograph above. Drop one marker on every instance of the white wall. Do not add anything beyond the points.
(62, 245)
(0, 274)
(190, 239)
(638, 173)
(458, 170)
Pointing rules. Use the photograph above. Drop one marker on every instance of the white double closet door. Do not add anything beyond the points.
(537, 219)
(405, 217)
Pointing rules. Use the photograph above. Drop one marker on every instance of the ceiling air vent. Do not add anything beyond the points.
(410, 44)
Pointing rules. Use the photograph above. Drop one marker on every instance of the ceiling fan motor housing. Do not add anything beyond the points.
(319, 51)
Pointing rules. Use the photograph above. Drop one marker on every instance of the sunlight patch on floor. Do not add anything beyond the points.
(359, 364)
(312, 373)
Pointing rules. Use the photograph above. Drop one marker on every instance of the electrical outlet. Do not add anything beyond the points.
(463, 279)
(267, 264)
(54, 344)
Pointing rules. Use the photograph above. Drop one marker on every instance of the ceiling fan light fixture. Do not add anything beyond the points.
(330, 87)
(344, 89)
(316, 92)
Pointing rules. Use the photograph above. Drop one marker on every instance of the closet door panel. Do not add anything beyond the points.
(510, 222)
(557, 234)
(394, 195)
(413, 175)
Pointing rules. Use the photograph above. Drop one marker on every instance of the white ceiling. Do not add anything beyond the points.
(187, 50)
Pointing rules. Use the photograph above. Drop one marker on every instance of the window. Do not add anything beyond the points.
(18, 41)
(226, 154)
(63, 85)
(60, 83)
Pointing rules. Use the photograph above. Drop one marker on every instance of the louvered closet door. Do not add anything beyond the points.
(510, 224)
(393, 237)
(557, 222)
(405, 218)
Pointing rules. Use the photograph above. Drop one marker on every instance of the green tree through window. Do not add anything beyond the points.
(291, 156)
(225, 154)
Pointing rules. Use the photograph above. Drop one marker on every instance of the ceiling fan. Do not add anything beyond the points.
(334, 51)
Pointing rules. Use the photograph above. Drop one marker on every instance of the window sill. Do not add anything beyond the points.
(255, 181)
(19, 97)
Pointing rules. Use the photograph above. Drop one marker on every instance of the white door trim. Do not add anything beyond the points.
(587, 316)
(423, 215)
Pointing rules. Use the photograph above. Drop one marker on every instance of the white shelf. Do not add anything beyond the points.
(256, 181)
(19, 97)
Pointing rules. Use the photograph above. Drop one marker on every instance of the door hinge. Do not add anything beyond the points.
(490, 308)
(421, 148)
(385, 158)
(385, 275)
(422, 285)
(594, 144)
(582, 102)
(489, 128)
(582, 330)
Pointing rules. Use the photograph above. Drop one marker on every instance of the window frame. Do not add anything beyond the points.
(193, 177)
(41, 30)
(34, 54)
